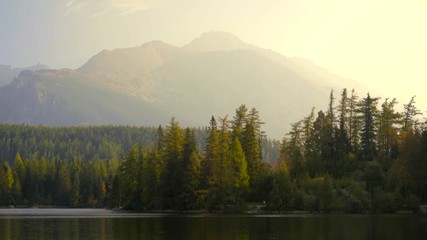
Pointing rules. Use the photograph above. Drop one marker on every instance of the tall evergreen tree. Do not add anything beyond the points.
(368, 144)
(191, 164)
(331, 109)
(128, 180)
(342, 138)
(151, 177)
(239, 121)
(211, 159)
(211, 167)
(172, 179)
(354, 122)
(224, 148)
(293, 149)
(252, 135)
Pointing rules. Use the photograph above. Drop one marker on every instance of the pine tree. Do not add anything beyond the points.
(293, 151)
(150, 180)
(331, 109)
(239, 122)
(128, 180)
(342, 139)
(252, 135)
(368, 144)
(354, 122)
(224, 149)
(191, 164)
(172, 178)
(211, 167)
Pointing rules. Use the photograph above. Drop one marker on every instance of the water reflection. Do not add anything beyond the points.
(311, 227)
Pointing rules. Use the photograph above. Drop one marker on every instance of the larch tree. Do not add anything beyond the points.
(388, 121)
(6, 183)
(239, 167)
(410, 111)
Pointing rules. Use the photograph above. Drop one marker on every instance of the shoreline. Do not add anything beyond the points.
(103, 212)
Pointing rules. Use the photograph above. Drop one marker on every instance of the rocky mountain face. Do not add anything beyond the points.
(149, 84)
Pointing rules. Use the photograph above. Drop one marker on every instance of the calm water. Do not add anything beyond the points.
(104, 224)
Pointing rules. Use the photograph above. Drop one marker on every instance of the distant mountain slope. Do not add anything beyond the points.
(66, 97)
(7, 73)
(148, 84)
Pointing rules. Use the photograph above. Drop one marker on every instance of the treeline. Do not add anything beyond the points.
(38, 164)
(90, 142)
(173, 174)
(56, 183)
(355, 157)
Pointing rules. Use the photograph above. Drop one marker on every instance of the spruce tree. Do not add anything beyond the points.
(187, 198)
(211, 168)
(368, 144)
(172, 178)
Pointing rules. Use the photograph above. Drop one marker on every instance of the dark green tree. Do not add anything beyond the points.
(281, 198)
(187, 199)
(172, 182)
(368, 144)
(252, 136)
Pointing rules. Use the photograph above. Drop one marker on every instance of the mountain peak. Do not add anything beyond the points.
(216, 41)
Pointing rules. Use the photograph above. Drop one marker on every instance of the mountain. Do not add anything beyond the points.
(149, 84)
(7, 73)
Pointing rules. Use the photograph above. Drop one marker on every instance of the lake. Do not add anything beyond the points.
(105, 224)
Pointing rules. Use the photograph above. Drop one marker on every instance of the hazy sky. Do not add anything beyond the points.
(382, 44)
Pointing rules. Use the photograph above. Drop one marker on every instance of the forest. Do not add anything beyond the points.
(359, 155)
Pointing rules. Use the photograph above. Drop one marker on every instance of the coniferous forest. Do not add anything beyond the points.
(360, 154)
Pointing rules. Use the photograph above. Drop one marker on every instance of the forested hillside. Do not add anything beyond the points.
(359, 155)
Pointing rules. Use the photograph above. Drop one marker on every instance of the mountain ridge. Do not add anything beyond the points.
(155, 81)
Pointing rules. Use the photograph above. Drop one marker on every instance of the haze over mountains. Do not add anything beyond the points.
(7, 73)
(149, 84)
